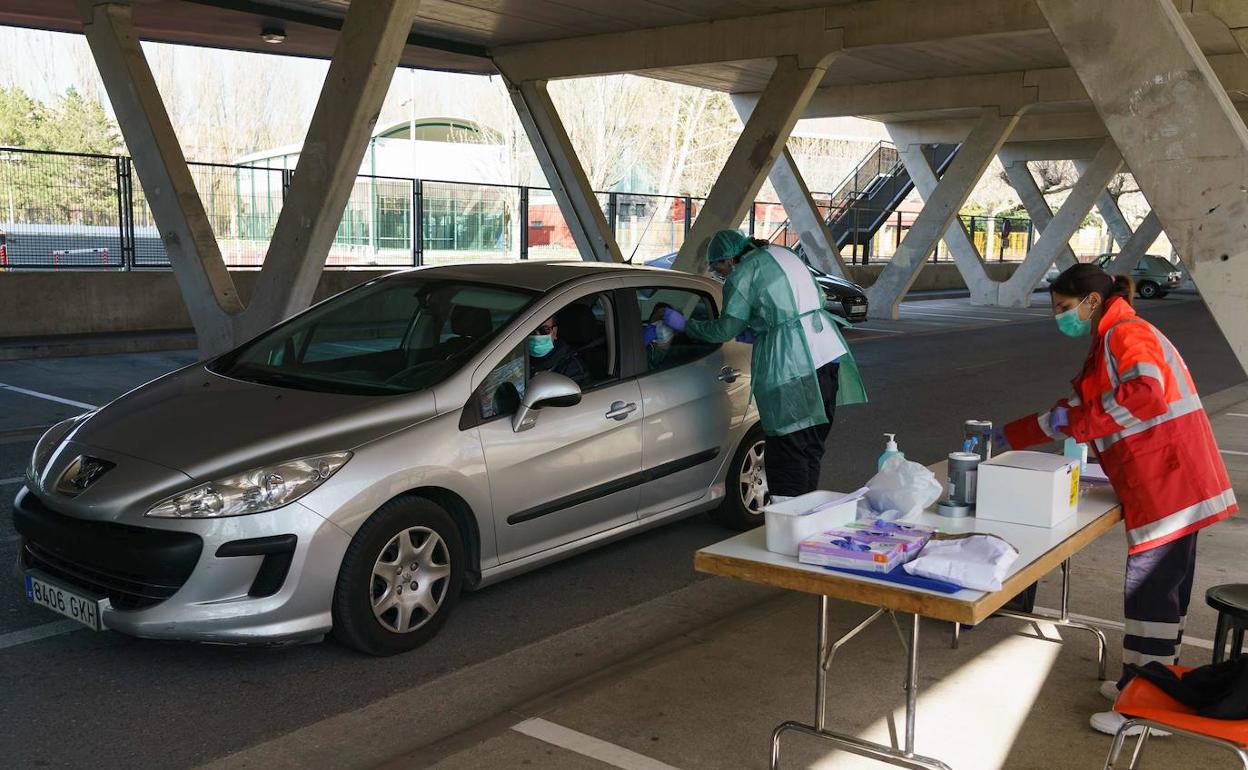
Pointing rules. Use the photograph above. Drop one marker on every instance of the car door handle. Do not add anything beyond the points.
(620, 410)
(728, 374)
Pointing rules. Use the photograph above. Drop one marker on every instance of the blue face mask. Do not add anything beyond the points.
(1070, 324)
(540, 345)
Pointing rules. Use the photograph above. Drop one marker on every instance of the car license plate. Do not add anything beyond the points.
(87, 610)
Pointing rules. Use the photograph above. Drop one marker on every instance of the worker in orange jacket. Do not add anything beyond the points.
(1135, 402)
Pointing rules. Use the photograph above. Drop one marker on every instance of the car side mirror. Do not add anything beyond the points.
(546, 389)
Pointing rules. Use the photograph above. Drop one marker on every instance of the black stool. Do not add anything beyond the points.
(1231, 602)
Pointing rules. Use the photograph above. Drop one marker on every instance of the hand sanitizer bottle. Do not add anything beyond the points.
(890, 449)
(1076, 451)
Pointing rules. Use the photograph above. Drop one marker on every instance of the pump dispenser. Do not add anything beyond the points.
(890, 449)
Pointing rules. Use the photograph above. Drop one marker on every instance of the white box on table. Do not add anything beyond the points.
(1033, 488)
(791, 522)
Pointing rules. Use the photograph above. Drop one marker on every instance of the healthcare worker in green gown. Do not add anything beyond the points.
(801, 367)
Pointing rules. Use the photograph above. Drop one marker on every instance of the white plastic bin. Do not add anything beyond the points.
(791, 522)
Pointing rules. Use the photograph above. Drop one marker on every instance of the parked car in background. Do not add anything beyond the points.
(842, 297)
(1154, 276)
(351, 469)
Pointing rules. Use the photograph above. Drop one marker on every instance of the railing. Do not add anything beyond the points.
(999, 239)
(64, 211)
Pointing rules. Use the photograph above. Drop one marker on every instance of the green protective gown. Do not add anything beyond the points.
(772, 292)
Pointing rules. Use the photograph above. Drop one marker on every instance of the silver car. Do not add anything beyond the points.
(352, 469)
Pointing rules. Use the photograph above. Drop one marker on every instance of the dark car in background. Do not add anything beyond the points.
(842, 297)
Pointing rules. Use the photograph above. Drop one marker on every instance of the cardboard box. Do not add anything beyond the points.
(1033, 488)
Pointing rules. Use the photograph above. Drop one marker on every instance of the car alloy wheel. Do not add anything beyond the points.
(753, 479)
(410, 579)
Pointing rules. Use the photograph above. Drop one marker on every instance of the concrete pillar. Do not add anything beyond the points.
(983, 289)
(1017, 291)
(804, 216)
(1017, 171)
(567, 179)
(187, 234)
(1178, 131)
(761, 142)
(939, 211)
(365, 56)
(1137, 245)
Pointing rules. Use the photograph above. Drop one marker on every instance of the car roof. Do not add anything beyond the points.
(536, 275)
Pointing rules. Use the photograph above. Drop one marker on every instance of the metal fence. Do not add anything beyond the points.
(75, 211)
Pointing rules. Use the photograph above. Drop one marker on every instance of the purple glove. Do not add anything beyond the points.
(649, 335)
(999, 442)
(1059, 419)
(747, 337)
(674, 320)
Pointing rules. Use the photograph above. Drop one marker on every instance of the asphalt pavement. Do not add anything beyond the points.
(79, 698)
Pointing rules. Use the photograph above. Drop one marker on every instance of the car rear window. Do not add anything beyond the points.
(386, 337)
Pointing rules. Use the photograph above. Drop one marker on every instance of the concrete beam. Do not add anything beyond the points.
(1017, 291)
(1056, 87)
(942, 206)
(805, 35)
(1019, 174)
(967, 258)
(168, 187)
(367, 52)
(1137, 245)
(1108, 208)
(804, 216)
(1181, 136)
(761, 142)
(564, 172)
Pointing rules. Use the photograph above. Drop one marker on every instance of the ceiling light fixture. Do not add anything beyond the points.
(273, 34)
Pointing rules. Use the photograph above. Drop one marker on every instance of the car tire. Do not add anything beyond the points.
(420, 542)
(1148, 290)
(1163, 294)
(745, 489)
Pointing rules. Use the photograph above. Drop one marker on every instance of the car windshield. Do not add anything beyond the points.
(385, 337)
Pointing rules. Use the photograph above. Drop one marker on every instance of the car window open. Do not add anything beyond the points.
(387, 337)
(584, 349)
(664, 347)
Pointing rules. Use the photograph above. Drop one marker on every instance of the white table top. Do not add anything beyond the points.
(1040, 550)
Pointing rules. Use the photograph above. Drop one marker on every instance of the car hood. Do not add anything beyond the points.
(840, 286)
(206, 425)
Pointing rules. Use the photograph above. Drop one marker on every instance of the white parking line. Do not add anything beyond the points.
(1233, 452)
(1115, 625)
(959, 316)
(873, 329)
(1235, 414)
(46, 396)
(34, 634)
(588, 746)
(14, 480)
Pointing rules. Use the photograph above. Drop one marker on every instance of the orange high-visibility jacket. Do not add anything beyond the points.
(1135, 402)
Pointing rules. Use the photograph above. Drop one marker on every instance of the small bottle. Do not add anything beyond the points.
(1076, 451)
(890, 449)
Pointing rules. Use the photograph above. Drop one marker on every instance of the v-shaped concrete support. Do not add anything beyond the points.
(761, 142)
(1017, 291)
(805, 218)
(1019, 174)
(941, 208)
(967, 258)
(1136, 246)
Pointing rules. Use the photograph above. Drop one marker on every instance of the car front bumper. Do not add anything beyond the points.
(259, 579)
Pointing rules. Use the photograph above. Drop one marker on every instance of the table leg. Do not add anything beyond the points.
(852, 744)
(1065, 621)
(1237, 642)
(1219, 637)
(957, 635)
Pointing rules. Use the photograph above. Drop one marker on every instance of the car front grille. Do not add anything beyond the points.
(135, 567)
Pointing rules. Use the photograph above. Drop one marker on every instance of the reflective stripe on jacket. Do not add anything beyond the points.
(1136, 403)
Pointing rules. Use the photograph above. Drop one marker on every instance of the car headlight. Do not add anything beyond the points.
(46, 446)
(254, 491)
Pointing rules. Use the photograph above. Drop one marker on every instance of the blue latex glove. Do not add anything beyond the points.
(747, 337)
(674, 320)
(649, 335)
(1059, 419)
(999, 442)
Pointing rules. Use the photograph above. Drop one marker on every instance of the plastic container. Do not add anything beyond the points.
(1076, 451)
(890, 449)
(791, 522)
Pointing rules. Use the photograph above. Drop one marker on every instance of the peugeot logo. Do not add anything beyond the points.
(81, 474)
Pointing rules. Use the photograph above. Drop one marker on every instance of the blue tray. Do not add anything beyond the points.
(901, 577)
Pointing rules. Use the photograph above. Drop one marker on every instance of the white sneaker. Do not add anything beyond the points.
(1109, 722)
(1110, 690)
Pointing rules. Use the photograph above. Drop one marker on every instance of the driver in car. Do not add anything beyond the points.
(548, 354)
